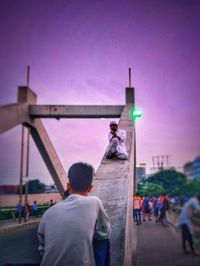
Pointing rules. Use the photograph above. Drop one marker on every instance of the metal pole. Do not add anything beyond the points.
(129, 76)
(28, 152)
(21, 174)
(27, 172)
(135, 161)
(28, 76)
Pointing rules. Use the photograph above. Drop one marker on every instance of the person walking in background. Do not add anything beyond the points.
(51, 203)
(137, 205)
(151, 205)
(76, 230)
(27, 208)
(164, 206)
(18, 209)
(146, 208)
(34, 208)
(187, 224)
(155, 207)
(195, 219)
(116, 148)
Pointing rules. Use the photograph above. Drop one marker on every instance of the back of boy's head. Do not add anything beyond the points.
(80, 176)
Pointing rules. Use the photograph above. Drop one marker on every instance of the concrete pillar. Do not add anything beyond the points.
(25, 94)
(130, 95)
(113, 184)
(12, 115)
(130, 99)
(27, 97)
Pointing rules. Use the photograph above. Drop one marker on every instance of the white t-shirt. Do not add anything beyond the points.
(121, 147)
(67, 229)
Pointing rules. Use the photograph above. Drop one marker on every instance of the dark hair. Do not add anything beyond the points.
(66, 193)
(80, 176)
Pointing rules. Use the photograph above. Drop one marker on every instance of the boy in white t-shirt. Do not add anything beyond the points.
(69, 229)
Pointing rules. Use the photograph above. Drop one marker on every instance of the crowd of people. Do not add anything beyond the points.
(26, 210)
(188, 221)
(150, 206)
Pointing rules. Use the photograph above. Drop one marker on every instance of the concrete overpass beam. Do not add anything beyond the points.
(75, 111)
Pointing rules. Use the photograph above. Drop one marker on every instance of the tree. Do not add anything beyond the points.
(151, 189)
(34, 187)
(171, 180)
(190, 188)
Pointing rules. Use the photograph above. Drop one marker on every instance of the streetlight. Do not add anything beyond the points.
(135, 114)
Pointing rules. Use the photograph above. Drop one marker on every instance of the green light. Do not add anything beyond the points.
(136, 114)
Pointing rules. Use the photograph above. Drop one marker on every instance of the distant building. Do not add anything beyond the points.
(51, 189)
(192, 169)
(9, 189)
(141, 172)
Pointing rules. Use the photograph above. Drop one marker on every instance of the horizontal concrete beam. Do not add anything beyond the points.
(75, 111)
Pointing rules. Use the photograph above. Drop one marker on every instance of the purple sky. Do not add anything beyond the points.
(79, 53)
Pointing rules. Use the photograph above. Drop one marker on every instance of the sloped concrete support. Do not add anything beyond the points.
(49, 155)
(114, 185)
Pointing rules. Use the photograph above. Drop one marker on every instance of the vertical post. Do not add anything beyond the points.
(129, 75)
(130, 99)
(130, 91)
(134, 134)
(134, 161)
(27, 173)
(28, 151)
(28, 76)
(21, 175)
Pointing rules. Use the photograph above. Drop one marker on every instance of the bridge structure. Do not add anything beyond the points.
(113, 182)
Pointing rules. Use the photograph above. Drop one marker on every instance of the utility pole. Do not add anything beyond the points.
(21, 174)
(160, 162)
(27, 174)
(27, 157)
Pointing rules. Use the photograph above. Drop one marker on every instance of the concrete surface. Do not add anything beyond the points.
(8, 226)
(160, 246)
(114, 186)
(20, 247)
